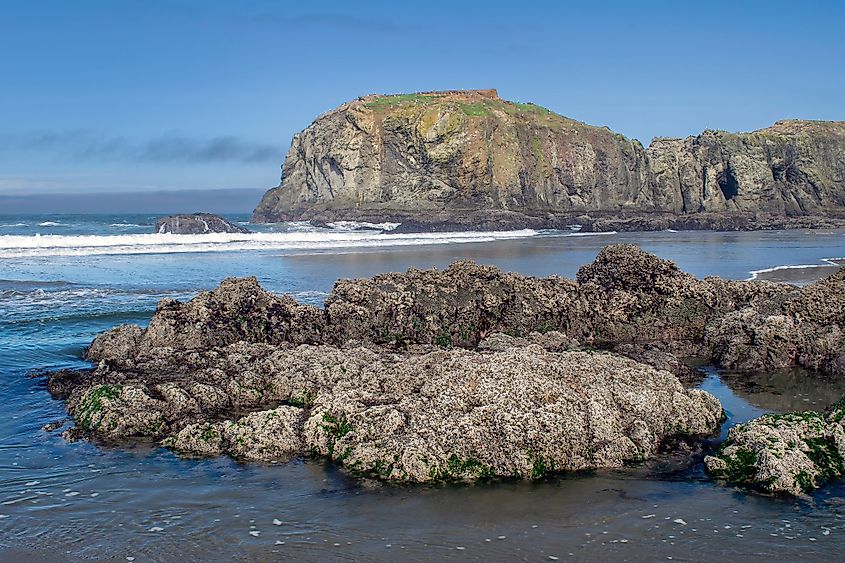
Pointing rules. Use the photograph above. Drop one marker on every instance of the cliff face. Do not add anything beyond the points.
(456, 151)
(792, 166)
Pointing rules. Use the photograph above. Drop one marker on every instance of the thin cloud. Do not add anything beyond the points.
(217, 149)
(87, 145)
(337, 22)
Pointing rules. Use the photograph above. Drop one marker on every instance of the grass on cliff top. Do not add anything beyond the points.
(480, 108)
(390, 102)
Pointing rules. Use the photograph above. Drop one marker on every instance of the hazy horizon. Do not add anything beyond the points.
(220, 201)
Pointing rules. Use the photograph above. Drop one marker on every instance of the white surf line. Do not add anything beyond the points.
(12, 246)
(590, 234)
(830, 262)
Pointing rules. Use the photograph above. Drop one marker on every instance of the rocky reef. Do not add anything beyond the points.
(790, 453)
(430, 416)
(197, 224)
(470, 160)
(464, 373)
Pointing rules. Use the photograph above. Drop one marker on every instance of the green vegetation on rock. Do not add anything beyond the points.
(92, 404)
(304, 400)
(540, 466)
(336, 427)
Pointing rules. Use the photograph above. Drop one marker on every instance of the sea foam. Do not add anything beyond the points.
(16, 246)
(826, 263)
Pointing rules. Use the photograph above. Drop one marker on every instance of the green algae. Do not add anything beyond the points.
(460, 469)
(540, 466)
(92, 403)
(304, 400)
(335, 427)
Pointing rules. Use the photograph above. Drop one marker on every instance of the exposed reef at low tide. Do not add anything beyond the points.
(791, 453)
(461, 374)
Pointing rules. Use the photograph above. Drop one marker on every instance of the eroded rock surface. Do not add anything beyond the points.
(798, 328)
(442, 415)
(790, 453)
(624, 296)
(453, 374)
(197, 224)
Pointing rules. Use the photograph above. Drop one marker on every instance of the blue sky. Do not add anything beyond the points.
(165, 95)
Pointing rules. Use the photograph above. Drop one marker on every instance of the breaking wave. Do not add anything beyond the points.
(826, 263)
(591, 234)
(17, 246)
(362, 225)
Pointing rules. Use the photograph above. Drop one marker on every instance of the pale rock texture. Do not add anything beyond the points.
(521, 413)
(439, 415)
(791, 453)
(463, 373)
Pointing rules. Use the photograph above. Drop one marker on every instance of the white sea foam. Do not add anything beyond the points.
(359, 225)
(828, 263)
(14, 225)
(52, 224)
(591, 234)
(125, 225)
(15, 246)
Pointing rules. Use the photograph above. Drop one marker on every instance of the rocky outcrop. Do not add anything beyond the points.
(803, 328)
(468, 159)
(393, 370)
(625, 296)
(197, 224)
(790, 453)
(432, 416)
(791, 167)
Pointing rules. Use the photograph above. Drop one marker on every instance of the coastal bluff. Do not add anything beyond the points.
(469, 159)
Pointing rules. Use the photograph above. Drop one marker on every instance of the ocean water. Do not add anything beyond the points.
(65, 278)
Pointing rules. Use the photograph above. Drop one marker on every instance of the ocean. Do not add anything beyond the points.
(64, 278)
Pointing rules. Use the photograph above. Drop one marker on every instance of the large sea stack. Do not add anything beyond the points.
(472, 158)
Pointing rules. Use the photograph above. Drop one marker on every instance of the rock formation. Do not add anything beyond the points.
(197, 224)
(803, 328)
(790, 453)
(625, 296)
(439, 415)
(392, 370)
(468, 159)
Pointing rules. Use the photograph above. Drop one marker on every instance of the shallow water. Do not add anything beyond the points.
(69, 501)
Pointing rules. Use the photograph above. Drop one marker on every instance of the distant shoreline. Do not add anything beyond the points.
(586, 221)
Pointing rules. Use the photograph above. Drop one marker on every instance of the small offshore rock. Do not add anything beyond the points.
(197, 224)
(55, 425)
